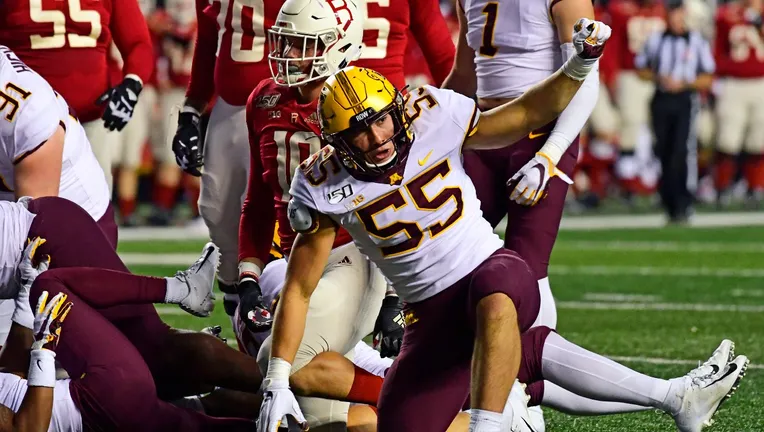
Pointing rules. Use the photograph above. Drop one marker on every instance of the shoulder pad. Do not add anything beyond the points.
(316, 167)
(302, 218)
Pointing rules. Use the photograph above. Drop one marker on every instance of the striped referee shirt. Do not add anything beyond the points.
(683, 57)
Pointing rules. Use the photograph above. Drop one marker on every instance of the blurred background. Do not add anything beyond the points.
(617, 170)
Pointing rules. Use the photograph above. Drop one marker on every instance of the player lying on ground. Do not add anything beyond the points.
(111, 386)
(458, 267)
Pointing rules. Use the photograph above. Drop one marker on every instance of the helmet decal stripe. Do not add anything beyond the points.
(350, 93)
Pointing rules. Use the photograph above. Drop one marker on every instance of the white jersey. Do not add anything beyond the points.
(515, 44)
(15, 221)
(425, 247)
(65, 417)
(31, 113)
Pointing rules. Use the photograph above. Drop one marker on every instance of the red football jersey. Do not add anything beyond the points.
(633, 23)
(282, 133)
(608, 66)
(67, 42)
(231, 55)
(385, 38)
(739, 48)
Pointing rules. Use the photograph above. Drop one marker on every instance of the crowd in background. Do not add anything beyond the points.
(616, 164)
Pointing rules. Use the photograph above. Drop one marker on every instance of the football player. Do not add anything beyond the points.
(68, 44)
(45, 151)
(638, 19)
(441, 255)
(739, 54)
(110, 381)
(310, 40)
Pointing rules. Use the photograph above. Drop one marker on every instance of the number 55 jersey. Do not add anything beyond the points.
(421, 223)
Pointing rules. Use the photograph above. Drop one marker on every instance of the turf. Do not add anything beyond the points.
(619, 269)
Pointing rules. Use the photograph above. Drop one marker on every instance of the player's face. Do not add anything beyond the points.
(297, 47)
(376, 141)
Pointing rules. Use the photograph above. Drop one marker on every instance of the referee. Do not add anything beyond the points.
(681, 64)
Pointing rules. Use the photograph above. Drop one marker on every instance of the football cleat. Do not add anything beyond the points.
(724, 354)
(703, 394)
(200, 279)
(537, 418)
(518, 403)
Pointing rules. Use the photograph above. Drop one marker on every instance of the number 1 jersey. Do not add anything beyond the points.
(422, 224)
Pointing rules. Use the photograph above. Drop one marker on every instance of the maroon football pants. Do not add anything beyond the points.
(74, 239)
(111, 384)
(430, 380)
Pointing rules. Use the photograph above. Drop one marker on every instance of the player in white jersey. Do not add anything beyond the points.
(498, 66)
(393, 177)
(45, 151)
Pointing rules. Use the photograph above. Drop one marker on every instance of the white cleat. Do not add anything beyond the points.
(703, 394)
(537, 418)
(200, 280)
(518, 403)
(724, 354)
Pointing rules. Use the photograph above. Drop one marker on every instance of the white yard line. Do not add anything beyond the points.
(699, 307)
(661, 246)
(658, 271)
(620, 297)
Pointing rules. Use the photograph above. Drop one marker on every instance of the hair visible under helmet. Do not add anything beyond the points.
(333, 29)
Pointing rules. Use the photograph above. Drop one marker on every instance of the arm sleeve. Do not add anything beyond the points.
(258, 214)
(37, 119)
(201, 86)
(431, 32)
(131, 35)
(575, 115)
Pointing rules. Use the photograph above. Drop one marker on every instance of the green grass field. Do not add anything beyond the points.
(657, 300)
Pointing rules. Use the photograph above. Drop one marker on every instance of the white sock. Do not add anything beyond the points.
(547, 310)
(177, 290)
(594, 376)
(486, 421)
(568, 402)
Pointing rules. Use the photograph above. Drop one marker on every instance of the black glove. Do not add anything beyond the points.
(252, 309)
(186, 144)
(388, 330)
(121, 103)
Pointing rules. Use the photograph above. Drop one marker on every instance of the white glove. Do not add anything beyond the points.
(279, 405)
(589, 39)
(26, 274)
(532, 180)
(47, 332)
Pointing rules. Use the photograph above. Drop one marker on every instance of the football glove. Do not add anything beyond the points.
(388, 329)
(26, 274)
(252, 308)
(589, 38)
(279, 409)
(215, 331)
(533, 178)
(121, 103)
(48, 319)
(187, 143)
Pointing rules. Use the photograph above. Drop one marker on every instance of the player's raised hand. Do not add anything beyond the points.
(121, 103)
(589, 38)
(279, 409)
(531, 181)
(48, 319)
(26, 273)
(187, 143)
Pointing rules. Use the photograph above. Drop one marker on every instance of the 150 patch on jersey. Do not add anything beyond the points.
(268, 101)
(336, 196)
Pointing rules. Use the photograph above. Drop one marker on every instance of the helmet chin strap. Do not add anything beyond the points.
(384, 165)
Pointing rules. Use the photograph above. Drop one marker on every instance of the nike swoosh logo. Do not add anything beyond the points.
(38, 365)
(715, 368)
(533, 135)
(732, 369)
(424, 160)
(528, 424)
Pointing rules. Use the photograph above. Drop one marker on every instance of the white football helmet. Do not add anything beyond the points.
(329, 34)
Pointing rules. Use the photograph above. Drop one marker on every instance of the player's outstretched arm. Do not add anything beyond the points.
(545, 101)
(462, 78)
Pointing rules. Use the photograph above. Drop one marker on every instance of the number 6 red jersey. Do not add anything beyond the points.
(67, 42)
(739, 47)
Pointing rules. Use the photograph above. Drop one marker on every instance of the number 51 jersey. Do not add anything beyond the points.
(422, 225)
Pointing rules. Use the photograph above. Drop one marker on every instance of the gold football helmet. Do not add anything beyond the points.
(351, 101)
